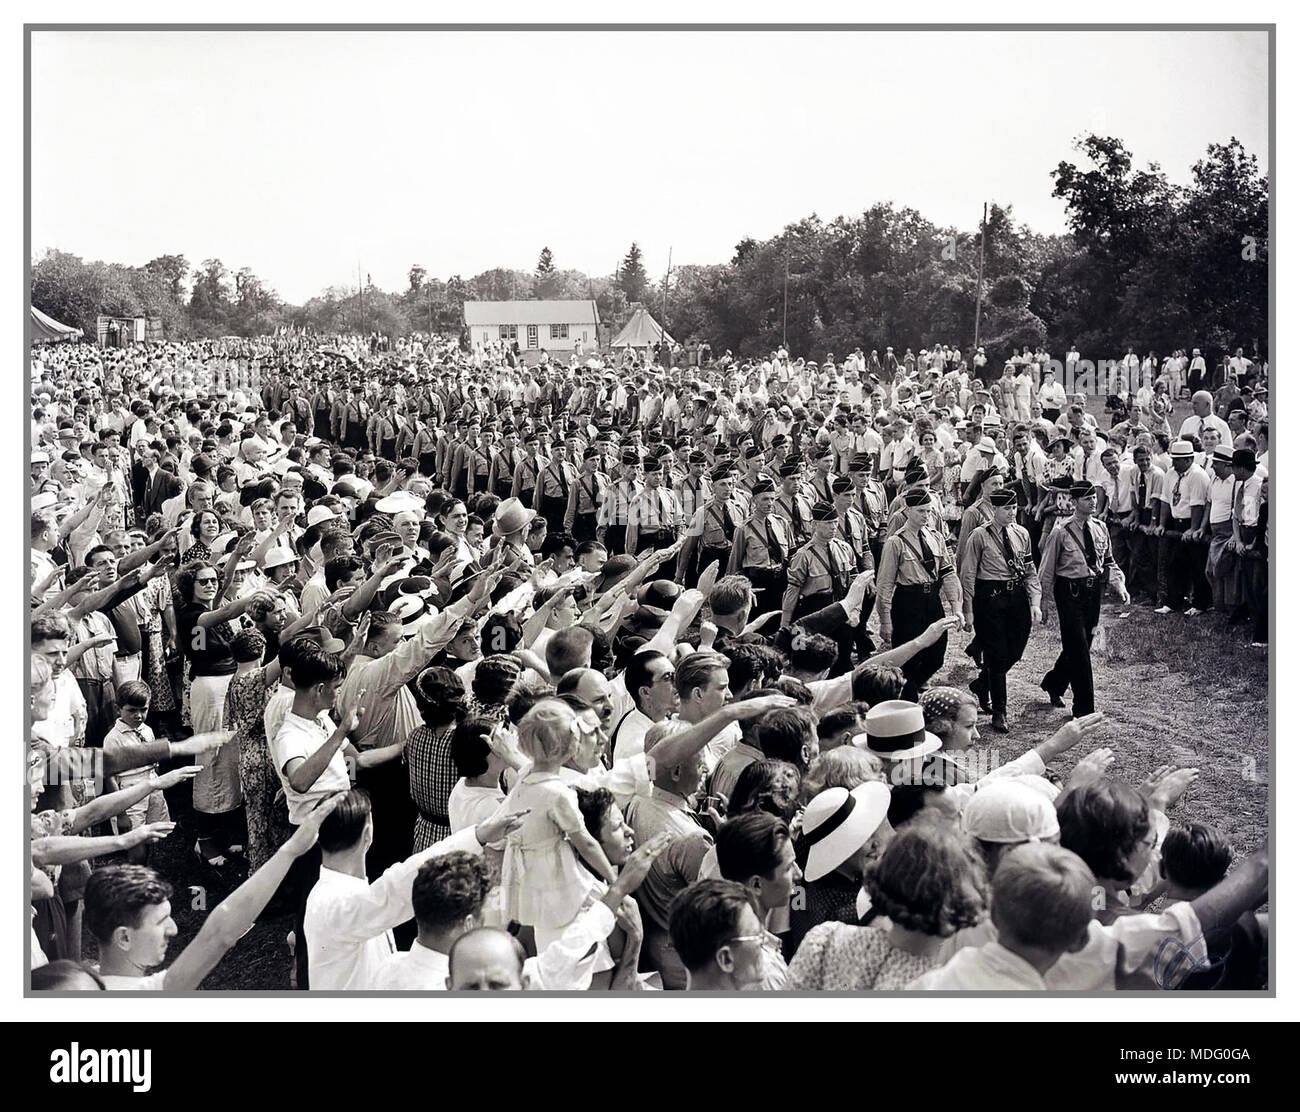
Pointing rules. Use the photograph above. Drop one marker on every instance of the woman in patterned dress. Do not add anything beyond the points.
(251, 686)
(433, 772)
(929, 884)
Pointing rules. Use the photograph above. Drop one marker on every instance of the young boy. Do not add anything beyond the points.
(129, 732)
(1041, 909)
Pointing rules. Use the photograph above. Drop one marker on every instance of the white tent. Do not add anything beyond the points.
(642, 331)
(46, 328)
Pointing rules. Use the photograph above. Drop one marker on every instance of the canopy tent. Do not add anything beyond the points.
(641, 331)
(46, 328)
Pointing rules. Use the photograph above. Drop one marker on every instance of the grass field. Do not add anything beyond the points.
(1173, 689)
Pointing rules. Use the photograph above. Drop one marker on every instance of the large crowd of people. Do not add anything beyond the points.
(597, 673)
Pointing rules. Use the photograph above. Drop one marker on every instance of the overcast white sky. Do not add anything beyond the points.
(301, 153)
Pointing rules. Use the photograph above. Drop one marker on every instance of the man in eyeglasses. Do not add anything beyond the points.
(718, 936)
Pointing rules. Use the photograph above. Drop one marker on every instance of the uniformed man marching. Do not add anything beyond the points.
(819, 575)
(1001, 596)
(624, 491)
(852, 528)
(870, 500)
(712, 529)
(586, 497)
(761, 548)
(794, 504)
(551, 495)
(1077, 561)
(524, 482)
(655, 519)
(916, 584)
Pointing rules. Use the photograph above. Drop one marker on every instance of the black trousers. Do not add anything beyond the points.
(769, 587)
(911, 613)
(705, 554)
(584, 527)
(1078, 607)
(1002, 624)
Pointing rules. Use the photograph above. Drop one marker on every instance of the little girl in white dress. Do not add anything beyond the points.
(544, 885)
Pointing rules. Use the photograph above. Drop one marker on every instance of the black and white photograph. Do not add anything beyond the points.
(671, 510)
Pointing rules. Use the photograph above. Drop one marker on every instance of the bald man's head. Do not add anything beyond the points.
(486, 959)
(593, 689)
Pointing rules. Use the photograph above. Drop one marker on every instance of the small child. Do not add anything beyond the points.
(131, 730)
(544, 885)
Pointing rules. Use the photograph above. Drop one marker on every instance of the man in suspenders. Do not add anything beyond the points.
(1001, 596)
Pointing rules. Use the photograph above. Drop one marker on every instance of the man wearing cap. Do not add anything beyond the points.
(916, 585)
(819, 576)
(1181, 568)
(655, 517)
(793, 504)
(587, 498)
(354, 420)
(1002, 598)
(712, 529)
(524, 481)
(551, 493)
(692, 489)
(870, 499)
(761, 548)
(1077, 562)
(625, 490)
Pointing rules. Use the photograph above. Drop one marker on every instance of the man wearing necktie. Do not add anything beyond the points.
(654, 521)
(916, 585)
(1002, 597)
(871, 501)
(761, 549)
(1077, 561)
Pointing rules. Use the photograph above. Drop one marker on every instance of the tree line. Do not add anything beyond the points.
(1146, 263)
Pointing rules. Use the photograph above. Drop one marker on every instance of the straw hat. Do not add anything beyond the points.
(838, 822)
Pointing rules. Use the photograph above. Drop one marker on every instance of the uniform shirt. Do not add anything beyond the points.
(716, 523)
(556, 478)
(750, 547)
(981, 513)
(796, 510)
(901, 564)
(1182, 492)
(873, 503)
(986, 558)
(586, 496)
(1064, 553)
(852, 527)
(656, 509)
(820, 568)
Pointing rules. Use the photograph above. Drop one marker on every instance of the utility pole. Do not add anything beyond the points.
(361, 300)
(785, 302)
(979, 286)
(663, 316)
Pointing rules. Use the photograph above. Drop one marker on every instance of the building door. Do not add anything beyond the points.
(532, 337)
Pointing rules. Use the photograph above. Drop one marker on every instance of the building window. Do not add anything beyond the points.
(532, 335)
(509, 332)
(559, 332)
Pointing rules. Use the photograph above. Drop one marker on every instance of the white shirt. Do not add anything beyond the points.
(1193, 487)
(629, 735)
(980, 969)
(1220, 497)
(348, 923)
(301, 737)
(468, 806)
(418, 969)
(1194, 426)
